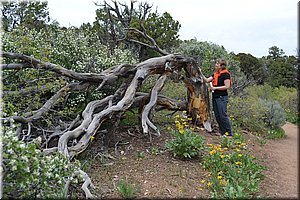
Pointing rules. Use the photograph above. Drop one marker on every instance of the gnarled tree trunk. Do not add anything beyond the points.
(77, 135)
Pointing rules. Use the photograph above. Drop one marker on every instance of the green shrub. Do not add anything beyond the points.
(234, 172)
(276, 133)
(247, 113)
(127, 190)
(262, 108)
(30, 174)
(186, 143)
(292, 117)
(275, 115)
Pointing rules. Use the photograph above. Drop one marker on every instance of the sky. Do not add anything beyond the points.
(241, 26)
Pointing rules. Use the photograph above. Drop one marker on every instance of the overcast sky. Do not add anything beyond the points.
(241, 26)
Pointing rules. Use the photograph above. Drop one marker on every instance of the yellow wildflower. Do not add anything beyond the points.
(177, 116)
(226, 133)
(222, 156)
(209, 184)
(189, 119)
(212, 152)
(202, 181)
(240, 155)
(219, 177)
(223, 182)
(200, 189)
(237, 149)
(225, 149)
(92, 138)
(238, 163)
(177, 122)
(181, 131)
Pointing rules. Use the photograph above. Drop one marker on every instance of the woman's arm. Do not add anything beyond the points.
(224, 87)
(207, 80)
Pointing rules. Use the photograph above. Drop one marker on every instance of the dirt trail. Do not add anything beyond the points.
(281, 158)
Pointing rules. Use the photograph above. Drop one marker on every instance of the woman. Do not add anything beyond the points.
(221, 82)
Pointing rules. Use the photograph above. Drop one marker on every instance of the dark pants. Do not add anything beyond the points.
(220, 110)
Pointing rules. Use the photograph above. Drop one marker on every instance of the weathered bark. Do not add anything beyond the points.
(75, 139)
(153, 99)
(198, 100)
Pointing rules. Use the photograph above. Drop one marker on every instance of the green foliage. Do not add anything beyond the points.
(276, 133)
(186, 143)
(262, 108)
(237, 140)
(275, 115)
(235, 173)
(275, 53)
(110, 27)
(282, 70)
(30, 174)
(66, 47)
(174, 90)
(126, 189)
(164, 30)
(247, 113)
(130, 118)
(293, 118)
(141, 155)
(32, 14)
(281, 73)
(287, 97)
(252, 67)
(206, 53)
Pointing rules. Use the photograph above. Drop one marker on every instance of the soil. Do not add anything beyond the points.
(155, 173)
(281, 158)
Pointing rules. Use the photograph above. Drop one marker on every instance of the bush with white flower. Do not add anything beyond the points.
(27, 173)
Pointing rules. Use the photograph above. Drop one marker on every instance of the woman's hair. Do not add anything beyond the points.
(222, 62)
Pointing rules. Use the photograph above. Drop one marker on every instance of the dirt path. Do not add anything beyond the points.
(281, 158)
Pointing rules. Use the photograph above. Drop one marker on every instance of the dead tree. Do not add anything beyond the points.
(76, 135)
(124, 97)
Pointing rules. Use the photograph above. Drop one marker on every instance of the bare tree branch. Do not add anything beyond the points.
(153, 44)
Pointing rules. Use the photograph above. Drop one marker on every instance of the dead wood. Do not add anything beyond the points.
(76, 136)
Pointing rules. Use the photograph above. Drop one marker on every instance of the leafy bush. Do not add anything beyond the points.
(234, 172)
(275, 115)
(247, 113)
(69, 48)
(186, 143)
(276, 133)
(262, 108)
(292, 117)
(30, 174)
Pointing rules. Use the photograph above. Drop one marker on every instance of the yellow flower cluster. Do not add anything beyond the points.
(181, 123)
(179, 127)
(215, 148)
